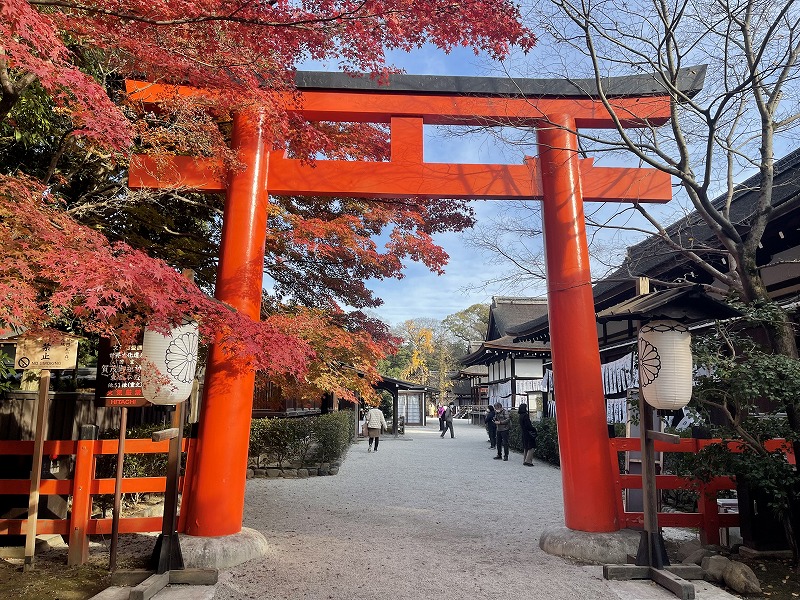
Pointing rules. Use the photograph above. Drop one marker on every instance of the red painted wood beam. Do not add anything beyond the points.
(590, 503)
(397, 180)
(636, 520)
(43, 526)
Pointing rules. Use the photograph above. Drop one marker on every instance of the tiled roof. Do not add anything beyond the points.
(687, 304)
(491, 348)
(507, 312)
(652, 256)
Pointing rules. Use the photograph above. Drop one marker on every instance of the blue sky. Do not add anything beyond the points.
(422, 294)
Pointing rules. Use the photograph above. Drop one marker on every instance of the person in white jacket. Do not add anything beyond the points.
(376, 423)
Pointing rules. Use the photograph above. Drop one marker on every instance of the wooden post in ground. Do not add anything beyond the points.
(42, 403)
(123, 425)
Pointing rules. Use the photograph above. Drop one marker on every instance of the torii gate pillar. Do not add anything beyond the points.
(224, 434)
(589, 503)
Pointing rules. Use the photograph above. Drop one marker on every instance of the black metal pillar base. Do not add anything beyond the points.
(167, 555)
(652, 545)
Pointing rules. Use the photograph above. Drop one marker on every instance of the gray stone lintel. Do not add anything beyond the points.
(690, 82)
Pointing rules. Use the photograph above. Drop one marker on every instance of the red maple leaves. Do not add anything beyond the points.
(249, 50)
(319, 251)
(55, 269)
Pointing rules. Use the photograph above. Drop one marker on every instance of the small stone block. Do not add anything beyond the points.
(194, 576)
(687, 549)
(150, 587)
(625, 572)
(129, 578)
(714, 567)
(740, 578)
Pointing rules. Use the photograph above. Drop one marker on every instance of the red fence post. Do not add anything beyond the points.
(707, 507)
(81, 496)
(617, 477)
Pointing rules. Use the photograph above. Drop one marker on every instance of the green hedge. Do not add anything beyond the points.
(547, 442)
(308, 440)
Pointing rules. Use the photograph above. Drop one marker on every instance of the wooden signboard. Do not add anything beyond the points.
(119, 375)
(50, 352)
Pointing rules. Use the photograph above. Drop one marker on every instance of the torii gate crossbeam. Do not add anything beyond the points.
(214, 503)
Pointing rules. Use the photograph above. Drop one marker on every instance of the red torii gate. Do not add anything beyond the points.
(214, 494)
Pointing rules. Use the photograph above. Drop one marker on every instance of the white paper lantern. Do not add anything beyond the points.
(665, 364)
(168, 363)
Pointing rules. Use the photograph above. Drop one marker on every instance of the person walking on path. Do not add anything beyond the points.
(440, 413)
(503, 422)
(448, 420)
(528, 435)
(376, 424)
(491, 427)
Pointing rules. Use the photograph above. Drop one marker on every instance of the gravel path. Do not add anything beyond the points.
(424, 517)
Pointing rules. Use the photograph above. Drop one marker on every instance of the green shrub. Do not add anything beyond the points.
(547, 441)
(323, 438)
(279, 437)
(333, 433)
(302, 439)
(515, 433)
(257, 448)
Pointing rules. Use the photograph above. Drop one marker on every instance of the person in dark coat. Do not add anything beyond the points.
(448, 419)
(503, 421)
(491, 427)
(440, 411)
(528, 435)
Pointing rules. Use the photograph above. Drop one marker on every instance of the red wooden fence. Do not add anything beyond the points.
(79, 524)
(708, 519)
